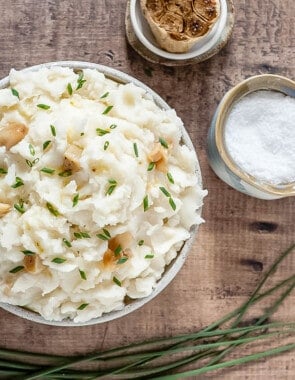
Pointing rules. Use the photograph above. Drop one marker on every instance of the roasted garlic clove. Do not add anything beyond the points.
(12, 134)
(4, 209)
(178, 25)
(159, 156)
(33, 264)
(72, 157)
(123, 240)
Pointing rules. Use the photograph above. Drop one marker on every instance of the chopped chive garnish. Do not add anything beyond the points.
(111, 188)
(80, 81)
(101, 132)
(149, 256)
(107, 110)
(3, 171)
(172, 204)
(118, 250)
(112, 181)
(163, 142)
(19, 207)
(32, 150)
(29, 163)
(83, 306)
(82, 274)
(82, 134)
(102, 237)
(76, 200)
(46, 144)
(18, 182)
(51, 209)
(82, 235)
(43, 106)
(28, 253)
(106, 145)
(16, 269)
(116, 281)
(35, 161)
(164, 191)
(170, 178)
(66, 242)
(105, 236)
(104, 95)
(66, 173)
(70, 89)
(122, 260)
(135, 149)
(106, 232)
(15, 92)
(151, 166)
(58, 260)
(53, 130)
(47, 170)
(113, 126)
(141, 242)
(145, 203)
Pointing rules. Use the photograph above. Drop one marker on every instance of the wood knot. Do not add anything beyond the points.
(267, 227)
(257, 266)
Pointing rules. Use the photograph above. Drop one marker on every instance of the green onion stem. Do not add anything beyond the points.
(230, 363)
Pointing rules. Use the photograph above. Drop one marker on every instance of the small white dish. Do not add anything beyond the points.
(208, 42)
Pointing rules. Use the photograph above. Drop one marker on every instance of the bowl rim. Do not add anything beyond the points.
(272, 82)
(211, 39)
(170, 270)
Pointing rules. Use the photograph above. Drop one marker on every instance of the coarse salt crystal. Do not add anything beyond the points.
(260, 136)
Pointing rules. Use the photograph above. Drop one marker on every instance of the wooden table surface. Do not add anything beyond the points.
(241, 236)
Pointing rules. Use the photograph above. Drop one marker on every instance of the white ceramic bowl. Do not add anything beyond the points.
(174, 267)
(208, 42)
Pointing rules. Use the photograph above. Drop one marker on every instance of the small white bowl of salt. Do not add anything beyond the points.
(251, 141)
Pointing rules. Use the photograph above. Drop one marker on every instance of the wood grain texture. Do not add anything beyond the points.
(241, 236)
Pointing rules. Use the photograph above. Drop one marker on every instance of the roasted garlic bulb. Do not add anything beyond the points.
(178, 24)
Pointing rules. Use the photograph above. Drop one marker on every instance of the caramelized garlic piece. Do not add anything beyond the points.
(4, 209)
(12, 134)
(33, 264)
(159, 156)
(72, 157)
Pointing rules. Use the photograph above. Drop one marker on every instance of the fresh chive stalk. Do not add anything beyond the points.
(106, 145)
(27, 252)
(101, 132)
(117, 281)
(163, 142)
(65, 173)
(145, 203)
(20, 206)
(170, 178)
(105, 235)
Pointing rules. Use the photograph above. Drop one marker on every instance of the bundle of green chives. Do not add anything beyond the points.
(167, 358)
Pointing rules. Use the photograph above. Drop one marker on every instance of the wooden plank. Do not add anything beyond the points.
(241, 236)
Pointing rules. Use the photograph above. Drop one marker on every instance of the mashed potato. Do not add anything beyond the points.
(97, 194)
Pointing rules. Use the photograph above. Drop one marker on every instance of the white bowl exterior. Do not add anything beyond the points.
(173, 268)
